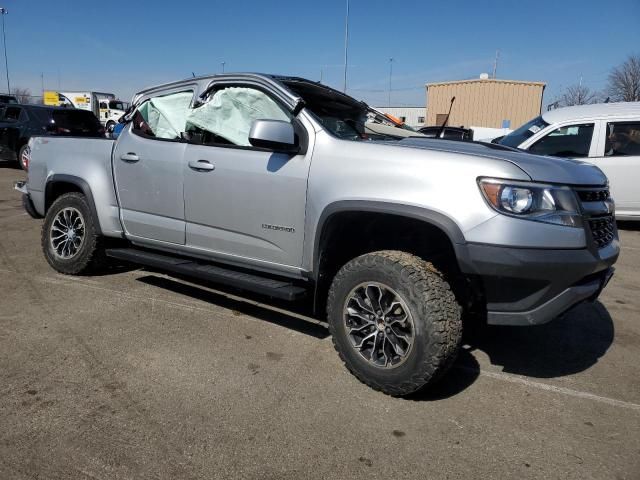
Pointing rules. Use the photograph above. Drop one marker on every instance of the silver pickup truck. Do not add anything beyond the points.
(273, 185)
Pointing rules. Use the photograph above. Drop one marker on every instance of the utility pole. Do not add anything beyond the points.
(321, 74)
(223, 64)
(495, 63)
(3, 12)
(390, 77)
(346, 47)
(42, 82)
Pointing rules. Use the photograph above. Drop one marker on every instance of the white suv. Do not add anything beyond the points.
(606, 134)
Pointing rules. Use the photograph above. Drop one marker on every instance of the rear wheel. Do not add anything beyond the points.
(394, 320)
(70, 239)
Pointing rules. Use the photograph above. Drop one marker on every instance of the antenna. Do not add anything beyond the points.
(446, 120)
(495, 63)
(390, 75)
(346, 47)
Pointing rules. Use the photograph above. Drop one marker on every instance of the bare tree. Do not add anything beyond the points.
(22, 94)
(578, 95)
(624, 80)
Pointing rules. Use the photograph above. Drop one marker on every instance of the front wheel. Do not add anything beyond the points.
(109, 127)
(23, 157)
(70, 240)
(394, 320)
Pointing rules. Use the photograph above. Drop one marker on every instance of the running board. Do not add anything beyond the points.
(282, 289)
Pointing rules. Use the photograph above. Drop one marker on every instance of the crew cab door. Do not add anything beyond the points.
(242, 203)
(148, 169)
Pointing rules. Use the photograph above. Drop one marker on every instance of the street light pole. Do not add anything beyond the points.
(390, 76)
(3, 12)
(346, 47)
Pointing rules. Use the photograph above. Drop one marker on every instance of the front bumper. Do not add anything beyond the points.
(525, 286)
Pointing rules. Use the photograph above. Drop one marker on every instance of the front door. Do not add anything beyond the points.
(619, 158)
(149, 172)
(243, 203)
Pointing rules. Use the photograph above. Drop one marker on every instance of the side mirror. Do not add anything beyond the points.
(275, 135)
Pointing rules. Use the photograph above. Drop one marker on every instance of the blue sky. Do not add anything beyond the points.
(124, 46)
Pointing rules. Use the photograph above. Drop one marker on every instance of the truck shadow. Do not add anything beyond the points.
(569, 344)
(626, 225)
(279, 313)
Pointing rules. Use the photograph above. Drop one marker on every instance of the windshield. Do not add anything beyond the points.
(344, 116)
(79, 123)
(116, 105)
(529, 129)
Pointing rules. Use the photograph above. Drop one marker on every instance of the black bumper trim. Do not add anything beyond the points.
(524, 286)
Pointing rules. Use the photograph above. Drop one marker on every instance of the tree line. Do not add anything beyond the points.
(623, 85)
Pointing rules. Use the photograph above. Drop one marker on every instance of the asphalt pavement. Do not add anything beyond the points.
(134, 374)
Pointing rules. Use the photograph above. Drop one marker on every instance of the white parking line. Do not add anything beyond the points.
(561, 390)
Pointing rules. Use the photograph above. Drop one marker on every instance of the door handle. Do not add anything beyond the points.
(201, 165)
(129, 157)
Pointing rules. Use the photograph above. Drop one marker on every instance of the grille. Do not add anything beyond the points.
(602, 230)
(599, 195)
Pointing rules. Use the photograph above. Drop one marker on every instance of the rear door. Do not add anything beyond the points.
(619, 158)
(148, 169)
(13, 122)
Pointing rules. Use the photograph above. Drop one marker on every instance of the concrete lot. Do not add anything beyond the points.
(135, 375)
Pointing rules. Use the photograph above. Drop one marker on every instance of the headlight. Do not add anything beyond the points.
(533, 201)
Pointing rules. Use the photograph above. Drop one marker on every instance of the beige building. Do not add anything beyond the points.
(484, 102)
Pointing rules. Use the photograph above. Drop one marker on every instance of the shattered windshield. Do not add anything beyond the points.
(344, 116)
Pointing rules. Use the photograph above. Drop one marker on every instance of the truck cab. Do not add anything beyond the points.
(110, 111)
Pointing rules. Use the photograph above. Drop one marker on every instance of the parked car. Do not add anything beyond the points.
(271, 184)
(18, 123)
(447, 133)
(8, 99)
(606, 134)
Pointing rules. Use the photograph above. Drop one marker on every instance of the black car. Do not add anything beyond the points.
(18, 123)
(6, 98)
(449, 133)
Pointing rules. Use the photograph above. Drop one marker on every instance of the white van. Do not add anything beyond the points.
(605, 134)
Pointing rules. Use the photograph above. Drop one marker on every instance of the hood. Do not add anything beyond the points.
(539, 168)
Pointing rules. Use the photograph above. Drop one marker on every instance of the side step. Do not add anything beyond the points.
(282, 289)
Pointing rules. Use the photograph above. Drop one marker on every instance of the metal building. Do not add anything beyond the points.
(484, 102)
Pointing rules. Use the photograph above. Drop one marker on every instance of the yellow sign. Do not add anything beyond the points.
(51, 98)
(80, 100)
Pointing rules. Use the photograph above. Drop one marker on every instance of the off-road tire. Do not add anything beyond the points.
(436, 316)
(90, 257)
